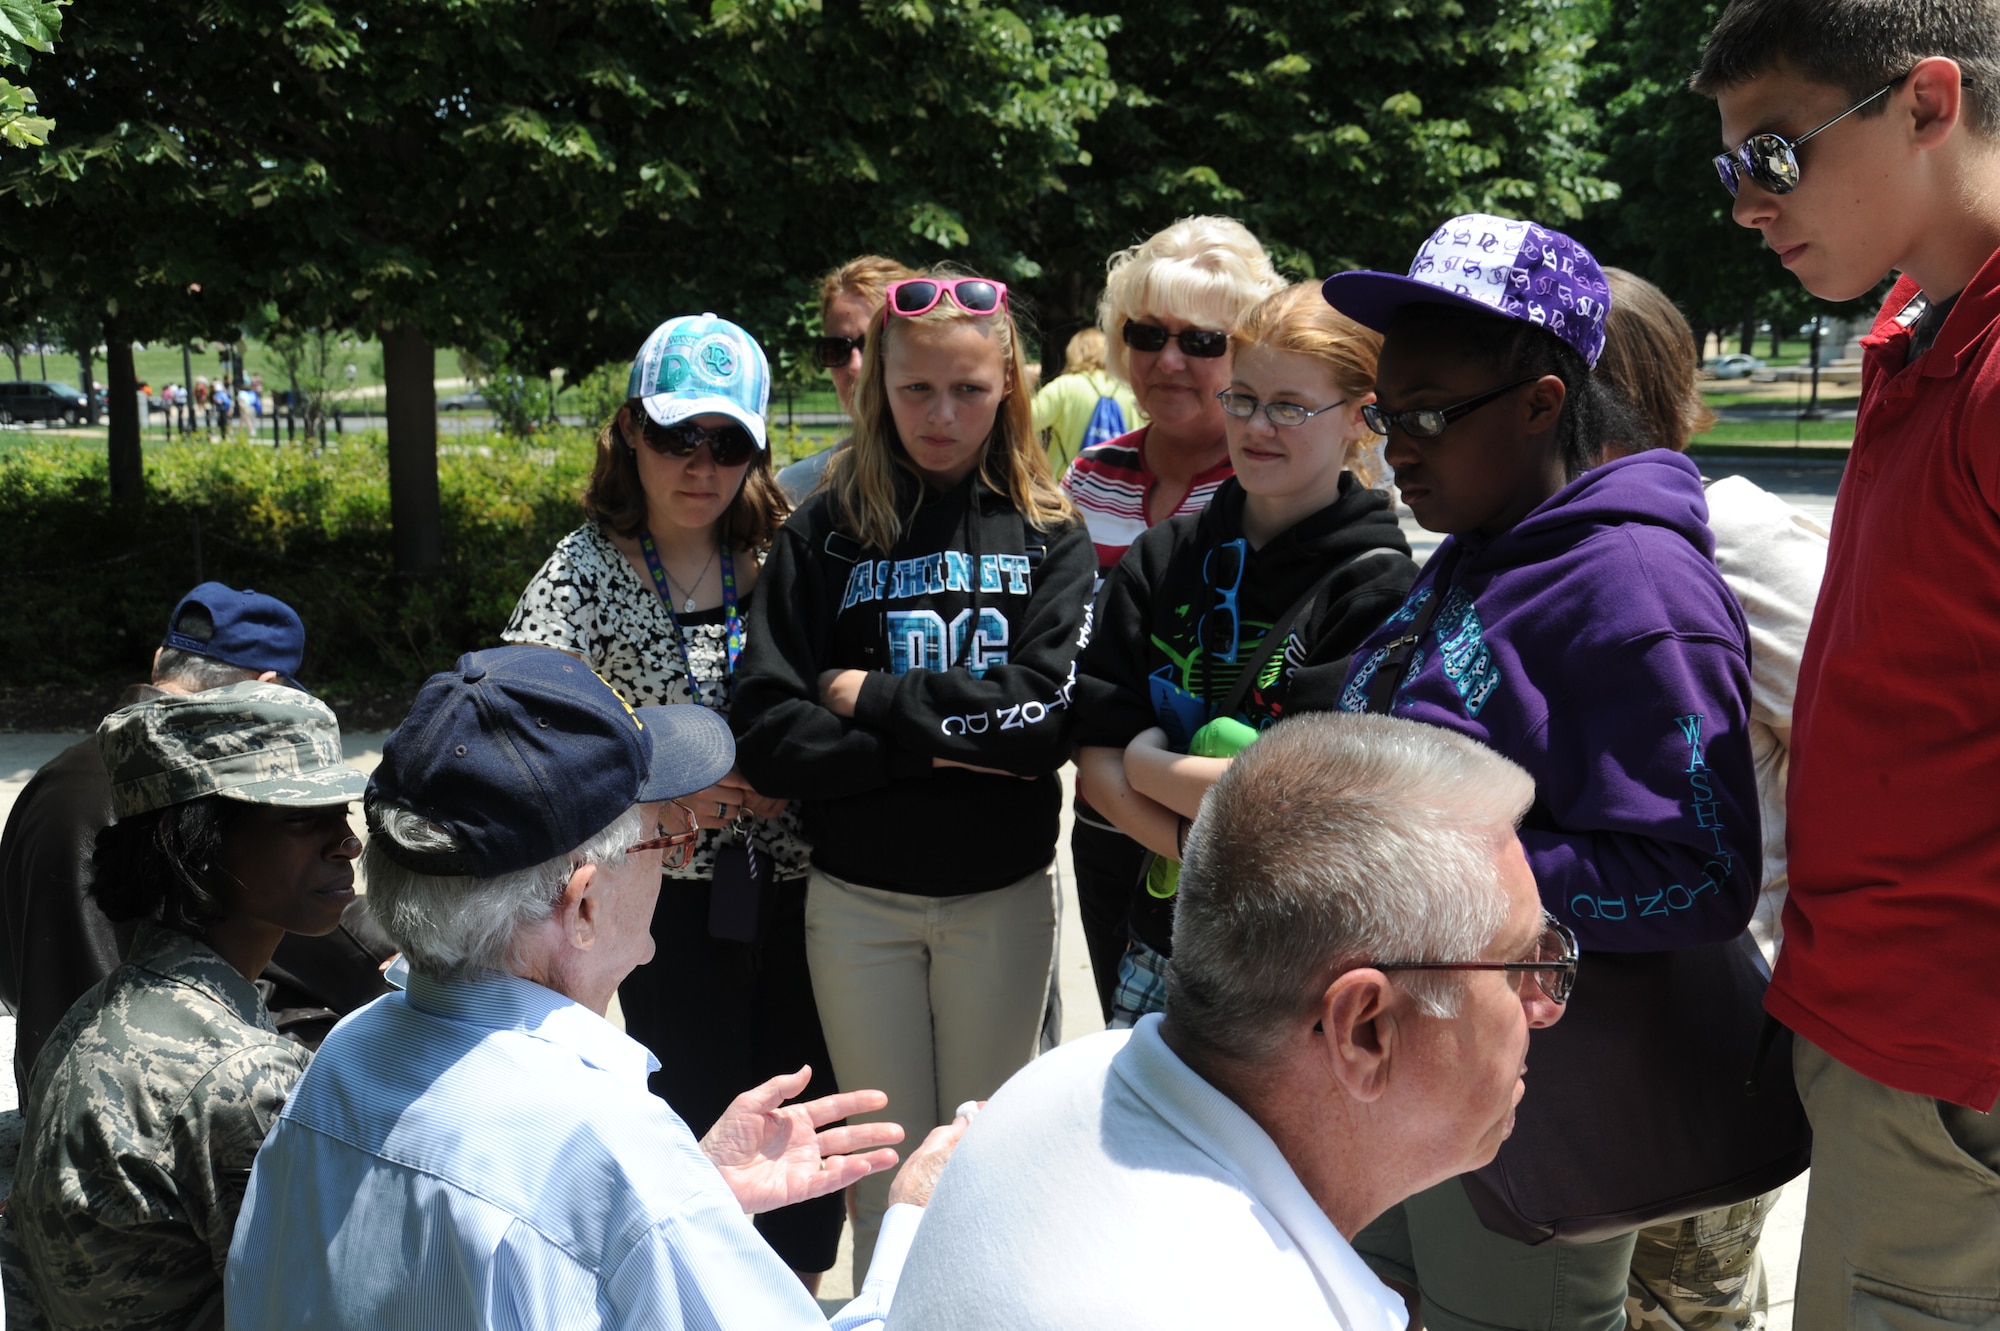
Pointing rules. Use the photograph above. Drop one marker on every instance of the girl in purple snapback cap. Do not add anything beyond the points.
(1574, 621)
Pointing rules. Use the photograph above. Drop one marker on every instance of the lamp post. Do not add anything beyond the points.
(1813, 411)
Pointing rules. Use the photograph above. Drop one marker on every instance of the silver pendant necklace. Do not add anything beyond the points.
(687, 606)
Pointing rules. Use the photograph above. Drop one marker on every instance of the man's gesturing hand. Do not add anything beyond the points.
(773, 1156)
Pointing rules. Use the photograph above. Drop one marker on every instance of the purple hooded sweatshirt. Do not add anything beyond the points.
(1595, 645)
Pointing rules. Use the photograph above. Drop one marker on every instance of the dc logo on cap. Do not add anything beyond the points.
(716, 357)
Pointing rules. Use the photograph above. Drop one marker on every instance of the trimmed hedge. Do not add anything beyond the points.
(89, 587)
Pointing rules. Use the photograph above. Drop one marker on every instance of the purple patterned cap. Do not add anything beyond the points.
(1495, 265)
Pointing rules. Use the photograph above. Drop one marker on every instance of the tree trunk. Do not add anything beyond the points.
(15, 352)
(1774, 339)
(128, 470)
(83, 360)
(1747, 343)
(408, 367)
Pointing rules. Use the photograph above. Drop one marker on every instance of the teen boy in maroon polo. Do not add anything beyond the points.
(1894, 819)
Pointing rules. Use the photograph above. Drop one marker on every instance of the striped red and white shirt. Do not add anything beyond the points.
(1109, 485)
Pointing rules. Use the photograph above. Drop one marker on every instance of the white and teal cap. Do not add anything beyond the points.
(698, 364)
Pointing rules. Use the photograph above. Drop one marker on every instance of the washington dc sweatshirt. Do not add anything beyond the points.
(968, 629)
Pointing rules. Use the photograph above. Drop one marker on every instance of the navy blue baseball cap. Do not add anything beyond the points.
(252, 631)
(523, 753)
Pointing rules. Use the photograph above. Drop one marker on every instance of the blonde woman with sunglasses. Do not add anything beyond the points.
(655, 592)
(908, 680)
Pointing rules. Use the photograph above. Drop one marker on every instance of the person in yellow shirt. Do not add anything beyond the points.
(1083, 405)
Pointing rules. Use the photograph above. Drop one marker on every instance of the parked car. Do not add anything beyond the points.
(40, 400)
(1734, 366)
(463, 402)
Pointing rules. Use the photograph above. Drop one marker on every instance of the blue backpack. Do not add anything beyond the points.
(1106, 423)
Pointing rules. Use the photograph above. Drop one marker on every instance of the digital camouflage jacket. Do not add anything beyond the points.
(144, 1114)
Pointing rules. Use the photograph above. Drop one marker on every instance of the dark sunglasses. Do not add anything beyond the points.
(1772, 160)
(920, 295)
(830, 353)
(1429, 422)
(730, 445)
(1200, 343)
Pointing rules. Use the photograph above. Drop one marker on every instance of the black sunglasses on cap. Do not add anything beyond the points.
(730, 445)
(830, 353)
(1200, 343)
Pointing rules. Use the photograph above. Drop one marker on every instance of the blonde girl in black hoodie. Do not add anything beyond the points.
(909, 679)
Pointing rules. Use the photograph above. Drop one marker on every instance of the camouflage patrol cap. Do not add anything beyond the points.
(259, 743)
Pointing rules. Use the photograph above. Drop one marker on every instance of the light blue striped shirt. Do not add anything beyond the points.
(486, 1154)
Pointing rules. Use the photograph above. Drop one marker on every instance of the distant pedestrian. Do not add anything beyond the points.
(1084, 405)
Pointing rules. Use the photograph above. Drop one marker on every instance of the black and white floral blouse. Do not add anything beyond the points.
(588, 599)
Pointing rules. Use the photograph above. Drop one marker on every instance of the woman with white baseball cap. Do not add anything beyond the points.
(653, 591)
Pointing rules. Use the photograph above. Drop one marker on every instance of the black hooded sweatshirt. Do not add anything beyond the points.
(969, 629)
(1146, 665)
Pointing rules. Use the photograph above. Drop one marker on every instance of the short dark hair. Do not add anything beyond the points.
(615, 498)
(1858, 45)
(1513, 349)
(160, 865)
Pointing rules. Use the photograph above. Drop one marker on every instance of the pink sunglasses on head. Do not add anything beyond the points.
(914, 296)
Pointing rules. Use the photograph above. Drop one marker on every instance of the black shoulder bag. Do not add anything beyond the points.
(1662, 1093)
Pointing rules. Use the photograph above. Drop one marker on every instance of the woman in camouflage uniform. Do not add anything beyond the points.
(149, 1101)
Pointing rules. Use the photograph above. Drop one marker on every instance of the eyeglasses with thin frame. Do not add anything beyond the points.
(730, 445)
(1553, 963)
(1200, 343)
(915, 296)
(1243, 406)
(1429, 422)
(831, 353)
(675, 847)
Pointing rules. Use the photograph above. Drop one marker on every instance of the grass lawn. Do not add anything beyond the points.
(1778, 432)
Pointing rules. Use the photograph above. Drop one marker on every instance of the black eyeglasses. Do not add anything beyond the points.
(830, 353)
(1553, 962)
(730, 445)
(675, 847)
(1200, 343)
(1242, 406)
(1429, 422)
(1772, 160)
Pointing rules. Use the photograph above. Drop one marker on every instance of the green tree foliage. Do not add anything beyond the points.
(27, 27)
(1670, 221)
(1341, 134)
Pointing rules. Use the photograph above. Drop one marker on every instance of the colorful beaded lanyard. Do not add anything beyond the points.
(733, 622)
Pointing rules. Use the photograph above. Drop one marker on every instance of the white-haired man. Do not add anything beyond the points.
(1359, 954)
(482, 1150)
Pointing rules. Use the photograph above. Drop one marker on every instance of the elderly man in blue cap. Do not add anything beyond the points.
(54, 941)
(482, 1150)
